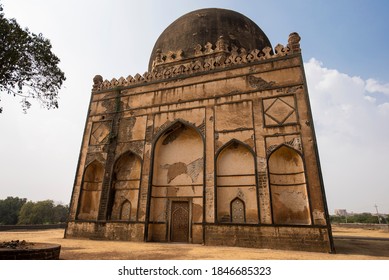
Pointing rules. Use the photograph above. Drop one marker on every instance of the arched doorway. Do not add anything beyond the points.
(176, 197)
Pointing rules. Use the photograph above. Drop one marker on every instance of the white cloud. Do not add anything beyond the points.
(374, 86)
(383, 109)
(353, 137)
(370, 99)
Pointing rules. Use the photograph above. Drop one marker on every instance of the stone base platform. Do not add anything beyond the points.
(16, 250)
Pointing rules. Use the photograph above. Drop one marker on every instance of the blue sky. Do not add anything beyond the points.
(344, 45)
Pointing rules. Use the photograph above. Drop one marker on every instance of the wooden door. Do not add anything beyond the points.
(179, 221)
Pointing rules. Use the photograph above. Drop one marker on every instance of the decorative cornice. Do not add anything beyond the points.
(206, 58)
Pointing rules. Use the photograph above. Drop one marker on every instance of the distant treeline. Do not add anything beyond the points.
(363, 218)
(19, 211)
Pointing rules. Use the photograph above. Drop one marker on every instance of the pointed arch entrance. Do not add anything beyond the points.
(176, 192)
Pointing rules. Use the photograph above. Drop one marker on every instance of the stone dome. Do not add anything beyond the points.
(207, 25)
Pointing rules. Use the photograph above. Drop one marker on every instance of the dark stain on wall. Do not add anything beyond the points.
(125, 129)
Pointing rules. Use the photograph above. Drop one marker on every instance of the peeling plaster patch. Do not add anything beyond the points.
(175, 170)
(259, 83)
(149, 132)
(173, 135)
(318, 215)
(290, 156)
(298, 198)
(192, 169)
(195, 168)
(109, 105)
(125, 128)
(94, 156)
(261, 163)
(240, 194)
(293, 89)
(234, 92)
(197, 212)
(162, 127)
(291, 212)
(201, 127)
(289, 140)
(249, 142)
(137, 147)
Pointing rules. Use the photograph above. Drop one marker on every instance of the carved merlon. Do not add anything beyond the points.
(204, 58)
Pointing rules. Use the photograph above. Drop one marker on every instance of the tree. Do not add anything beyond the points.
(36, 212)
(60, 213)
(364, 218)
(9, 210)
(42, 212)
(28, 68)
(25, 214)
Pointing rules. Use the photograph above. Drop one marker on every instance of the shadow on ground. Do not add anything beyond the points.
(370, 246)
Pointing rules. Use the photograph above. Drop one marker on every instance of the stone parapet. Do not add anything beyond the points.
(205, 58)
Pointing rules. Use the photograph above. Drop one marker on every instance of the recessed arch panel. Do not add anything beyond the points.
(290, 203)
(235, 176)
(91, 191)
(125, 187)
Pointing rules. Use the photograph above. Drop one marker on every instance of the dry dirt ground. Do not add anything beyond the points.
(350, 243)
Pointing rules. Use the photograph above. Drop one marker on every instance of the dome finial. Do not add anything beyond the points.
(97, 81)
(294, 42)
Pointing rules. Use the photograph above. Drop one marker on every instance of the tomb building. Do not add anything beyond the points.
(213, 145)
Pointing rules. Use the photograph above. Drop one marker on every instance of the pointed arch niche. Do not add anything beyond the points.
(91, 192)
(236, 184)
(178, 175)
(125, 188)
(288, 187)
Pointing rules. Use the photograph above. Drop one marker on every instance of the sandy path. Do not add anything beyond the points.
(349, 244)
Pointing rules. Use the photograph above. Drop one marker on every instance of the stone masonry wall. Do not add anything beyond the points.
(109, 231)
(270, 237)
